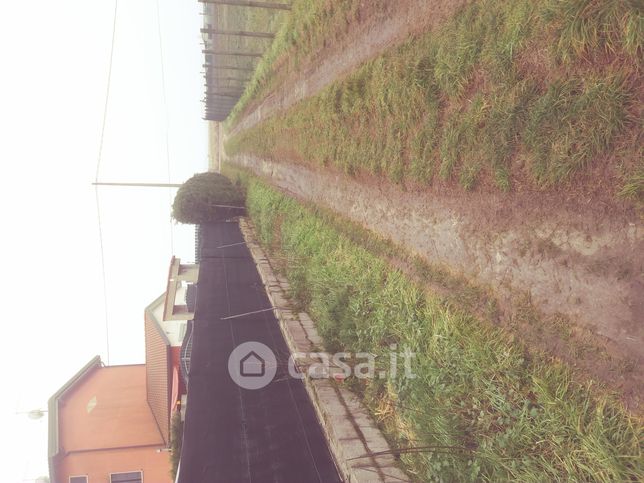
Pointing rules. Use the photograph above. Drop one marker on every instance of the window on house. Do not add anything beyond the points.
(78, 479)
(129, 477)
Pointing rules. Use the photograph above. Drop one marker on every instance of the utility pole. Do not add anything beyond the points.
(142, 185)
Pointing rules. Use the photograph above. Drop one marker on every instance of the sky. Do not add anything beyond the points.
(53, 79)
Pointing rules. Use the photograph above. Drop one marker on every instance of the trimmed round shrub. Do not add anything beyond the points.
(207, 197)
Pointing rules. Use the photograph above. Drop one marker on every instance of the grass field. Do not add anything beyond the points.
(504, 93)
(480, 406)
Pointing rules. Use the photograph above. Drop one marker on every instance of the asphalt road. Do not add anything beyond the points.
(233, 434)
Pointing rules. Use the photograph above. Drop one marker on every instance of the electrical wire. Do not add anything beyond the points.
(107, 93)
(167, 120)
(98, 168)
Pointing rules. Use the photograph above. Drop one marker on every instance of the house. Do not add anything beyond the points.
(167, 344)
(112, 423)
(168, 341)
(101, 428)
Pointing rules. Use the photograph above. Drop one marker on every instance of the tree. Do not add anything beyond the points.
(207, 197)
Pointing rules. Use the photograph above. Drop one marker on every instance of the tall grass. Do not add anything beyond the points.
(588, 27)
(176, 441)
(504, 90)
(572, 122)
(484, 408)
(634, 186)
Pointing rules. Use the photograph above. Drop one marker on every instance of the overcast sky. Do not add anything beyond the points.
(52, 91)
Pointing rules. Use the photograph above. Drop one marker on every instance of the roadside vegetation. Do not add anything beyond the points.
(207, 197)
(176, 440)
(504, 94)
(480, 407)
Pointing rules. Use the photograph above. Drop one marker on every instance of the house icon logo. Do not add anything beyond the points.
(252, 365)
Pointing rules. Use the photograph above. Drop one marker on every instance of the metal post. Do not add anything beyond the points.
(143, 185)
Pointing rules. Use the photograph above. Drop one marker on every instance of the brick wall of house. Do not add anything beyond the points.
(105, 426)
(158, 377)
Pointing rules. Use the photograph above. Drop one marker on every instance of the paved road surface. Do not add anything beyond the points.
(233, 434)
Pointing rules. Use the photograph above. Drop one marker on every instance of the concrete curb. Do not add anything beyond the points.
(355, 440)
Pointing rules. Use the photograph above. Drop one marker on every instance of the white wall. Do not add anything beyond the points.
(173, 328)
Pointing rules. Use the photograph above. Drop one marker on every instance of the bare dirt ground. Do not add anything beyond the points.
(567, 260)
(375, 30)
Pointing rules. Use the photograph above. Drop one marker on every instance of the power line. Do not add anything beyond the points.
(167, 121)
(98, 167)
(107, 92)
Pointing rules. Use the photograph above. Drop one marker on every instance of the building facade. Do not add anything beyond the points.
(101, 429)
(111, 424)
(164, 381)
